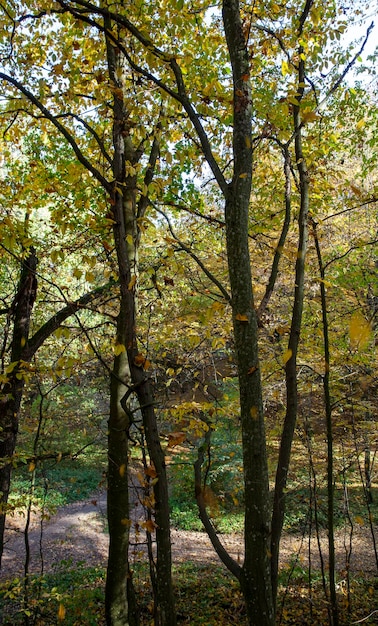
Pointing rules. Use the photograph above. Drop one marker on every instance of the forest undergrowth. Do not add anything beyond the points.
(72, 592)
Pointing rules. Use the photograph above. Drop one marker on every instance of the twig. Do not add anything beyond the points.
(365, 618)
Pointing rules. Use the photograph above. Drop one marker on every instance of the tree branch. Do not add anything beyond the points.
(66, 134)
(181, 94)
(221, 551)
(56, 320)
(92, 131)
(186, 248)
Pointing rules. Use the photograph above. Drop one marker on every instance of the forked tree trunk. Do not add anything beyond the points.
(129, 377)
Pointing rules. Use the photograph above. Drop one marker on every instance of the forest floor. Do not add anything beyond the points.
(77, 533)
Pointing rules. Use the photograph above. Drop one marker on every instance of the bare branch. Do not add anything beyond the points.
(221, 551)
(56, 320)
(186, 248)
(351, 208)
(350, 64)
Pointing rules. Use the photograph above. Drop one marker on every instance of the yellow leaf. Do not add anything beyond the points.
(131, 283)
(356, 190)
(174, 439)
(287, 355)
(316, 16)
(244, 175)
(77, 273)
(31, 466)
(254, 412)
(285, 68)
(126, 522)
(359, 520)
(122, 470)
(89, 277)
(118, 348)
(293, 100)
(149, 525)
(360, 124)
(11, 367)
(241, 318)
(309, 116)
(61, 613)
(130, 239)
(140, 361)
(150, 471)
(359, 330)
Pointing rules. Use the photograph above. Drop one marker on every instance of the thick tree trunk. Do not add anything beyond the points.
(11, 392)
(118, 579)
(126, 211)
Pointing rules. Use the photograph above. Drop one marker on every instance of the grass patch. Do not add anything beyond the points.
(72, 595)
(206, 595)
(57, 484)
(71, 429)
(225, 488)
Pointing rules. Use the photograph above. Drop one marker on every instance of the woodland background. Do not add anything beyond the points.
(189, 300)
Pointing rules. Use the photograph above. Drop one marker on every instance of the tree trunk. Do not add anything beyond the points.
(126, 236)
(255, 576)
(119, 607)
(11, 392)
(296, 322)
(328, 415)
(165, 609)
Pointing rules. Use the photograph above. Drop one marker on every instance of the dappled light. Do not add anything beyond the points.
(188, 311)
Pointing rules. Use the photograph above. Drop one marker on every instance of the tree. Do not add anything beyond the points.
(126, 212)
(219, 123)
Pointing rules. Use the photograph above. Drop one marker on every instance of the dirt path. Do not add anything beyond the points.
(78, 533)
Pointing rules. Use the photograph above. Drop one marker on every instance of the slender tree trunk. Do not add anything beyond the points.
(255, 575)
(11, 392)
(296, 322)
(328, 415)
(165, 609)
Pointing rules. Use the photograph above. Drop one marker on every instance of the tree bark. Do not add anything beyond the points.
(11, 392)
(296, 322)
(328, 415)
(255, 575)
(126, 212)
